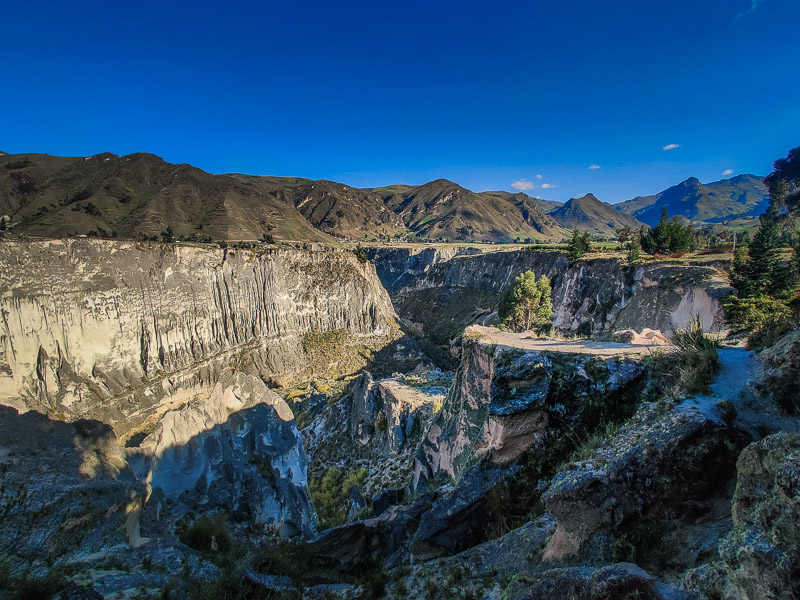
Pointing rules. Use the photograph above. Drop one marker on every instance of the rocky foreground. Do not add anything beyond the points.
(250, 423)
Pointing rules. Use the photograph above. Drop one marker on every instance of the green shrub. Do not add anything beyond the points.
(361, 255)
(294, 559)
(755, 312)
(331, 493)
(209, 533)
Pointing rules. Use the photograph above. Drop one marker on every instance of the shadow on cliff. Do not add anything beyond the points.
(403, 355)
(63, 486)
(252, 467)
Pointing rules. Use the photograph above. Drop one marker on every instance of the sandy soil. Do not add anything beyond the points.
(528, 341)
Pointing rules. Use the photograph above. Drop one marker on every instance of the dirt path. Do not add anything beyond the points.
(735, 382)
(490, 335)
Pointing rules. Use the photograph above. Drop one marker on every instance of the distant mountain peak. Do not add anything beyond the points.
(586, 198)
(742, 196)
(590, 214)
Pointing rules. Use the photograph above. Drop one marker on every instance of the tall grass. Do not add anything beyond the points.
(698, 359)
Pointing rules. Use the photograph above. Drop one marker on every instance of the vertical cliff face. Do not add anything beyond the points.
(509, 389)
(440, 294)
(124, 331)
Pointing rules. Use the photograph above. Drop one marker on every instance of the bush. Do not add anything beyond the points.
(18, 164)
(361, 255)
(755, 312)
(697, 356)
(331, 494)
(293, 559)
(209, 533)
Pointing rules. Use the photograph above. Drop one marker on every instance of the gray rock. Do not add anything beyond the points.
(620, 581)
(123, 331)
(762, 553)
(655, 458)
(457, 519)
(64, 489)
(237, 450)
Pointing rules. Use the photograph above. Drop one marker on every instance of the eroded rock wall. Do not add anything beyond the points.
(508, 391)
(124, 331)
(438, 294)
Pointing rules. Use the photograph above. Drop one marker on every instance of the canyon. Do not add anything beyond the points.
(367, 415)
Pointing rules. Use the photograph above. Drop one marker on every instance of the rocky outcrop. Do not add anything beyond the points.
(64, 489)
(124, 331)
(510, 389)
(782, 363)
(237, 450)
(660, 457)
(623, 581)
(376, 425)
(761, 556)
(397, 267)
(438, 295)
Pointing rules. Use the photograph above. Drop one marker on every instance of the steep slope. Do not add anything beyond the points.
(546, 206)
(141, 194)
(442, 209)
(598, 218)
(742, 196)
(346, 212)
(123, 331)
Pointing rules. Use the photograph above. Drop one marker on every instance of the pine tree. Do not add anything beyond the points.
(625, 234)
(759, 270)
(634, 249)
(574, 248)
(668, 237)
(578, 244)
(586, 241)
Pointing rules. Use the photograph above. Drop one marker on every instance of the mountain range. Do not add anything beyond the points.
(743, 196)
(142, 195)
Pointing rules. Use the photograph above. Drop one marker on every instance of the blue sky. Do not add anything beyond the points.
(372, 93)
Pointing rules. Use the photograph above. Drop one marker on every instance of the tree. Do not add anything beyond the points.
(784, 185)
(634, 249)
(3, 223)
(586, 241)
(668, 237)
(759, 270)
(578, 244)
(527, 305)
(624, 234)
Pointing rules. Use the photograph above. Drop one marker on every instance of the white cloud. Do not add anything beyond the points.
(594, 167)
(753, 5)
(728, 172)
(539, 176)
(671, 146)
(547, 186)
(523, 185)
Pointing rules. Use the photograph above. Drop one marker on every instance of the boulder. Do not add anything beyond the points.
(762, 553)
(621, 581)
(659, 457)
